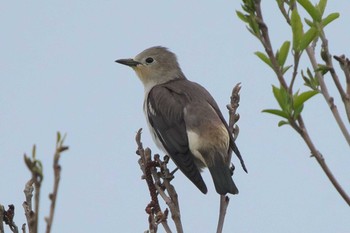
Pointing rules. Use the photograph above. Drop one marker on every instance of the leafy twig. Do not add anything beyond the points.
(36, 169)
(292, 104)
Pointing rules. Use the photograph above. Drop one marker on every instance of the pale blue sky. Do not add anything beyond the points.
(57, 72)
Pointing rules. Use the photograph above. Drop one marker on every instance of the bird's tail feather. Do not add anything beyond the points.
(223, 182)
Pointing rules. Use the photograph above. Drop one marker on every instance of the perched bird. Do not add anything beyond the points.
(184, 120)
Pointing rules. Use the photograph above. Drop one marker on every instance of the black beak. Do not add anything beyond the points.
(128, 62)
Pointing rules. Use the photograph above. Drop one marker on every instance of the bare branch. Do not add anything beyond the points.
(57, 176)
(224, 201)
(328, 59)
(345, 66)
(326, 95)
(232, 108)
(27, 205)
(8, 216)
(321, 161)
(157, 183)
(2, 211)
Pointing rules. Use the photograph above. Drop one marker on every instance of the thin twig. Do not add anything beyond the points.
(224, 201)
(299, 125)
(57, 176)
(321, 161)
(345, 96)
(232, 108)
(35, 167)
(27, 205)
(284, 12)
(265, 40)
(37, 185)
(295, 71)
(8, 216)
(153, 179)
(329, 63)
(345, 66)
(2, 210)
(326, 95)
(233, 128)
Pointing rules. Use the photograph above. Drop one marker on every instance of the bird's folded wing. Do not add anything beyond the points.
(165, 110)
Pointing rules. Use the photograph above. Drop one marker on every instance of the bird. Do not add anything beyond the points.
(184, 120)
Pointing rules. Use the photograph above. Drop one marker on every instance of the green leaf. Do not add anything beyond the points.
(285, 69)
(281, 123)
(297, 111)
(322, 6)
(310, 80)
(278, 97)
(276, 112)
(287, 101)
(299, 100)
(264, 58)
(322, 68)
(254, 26)
(283, 98)
(34, 151)
(297, 29)
(309, 36)
(242, 16)
(331, 17)
(309, 22)
(58, 137)
(28, 162)
(311, 9)
(283, 53)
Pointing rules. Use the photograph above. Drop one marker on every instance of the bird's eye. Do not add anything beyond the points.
(149, 60)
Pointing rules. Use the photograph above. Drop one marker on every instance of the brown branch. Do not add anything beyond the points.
(224, 201)
(2, 210)
(326, 95)
(153, 179)
(299, 125)
(345, 66)
(171, 198)
(234, 129)
(232, 108)
(27, 205)
(329, 63)
(266, 42)
(284, 12)
(57, 176)
(8, 216)
(297, 56)
(35, 168)
(321, 161)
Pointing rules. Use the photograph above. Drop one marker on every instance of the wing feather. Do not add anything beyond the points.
(165, 112)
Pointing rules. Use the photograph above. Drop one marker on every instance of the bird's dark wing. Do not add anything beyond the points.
(200, 93)
(165, 112)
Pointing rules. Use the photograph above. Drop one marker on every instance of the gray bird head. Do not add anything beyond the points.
(155, 65)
